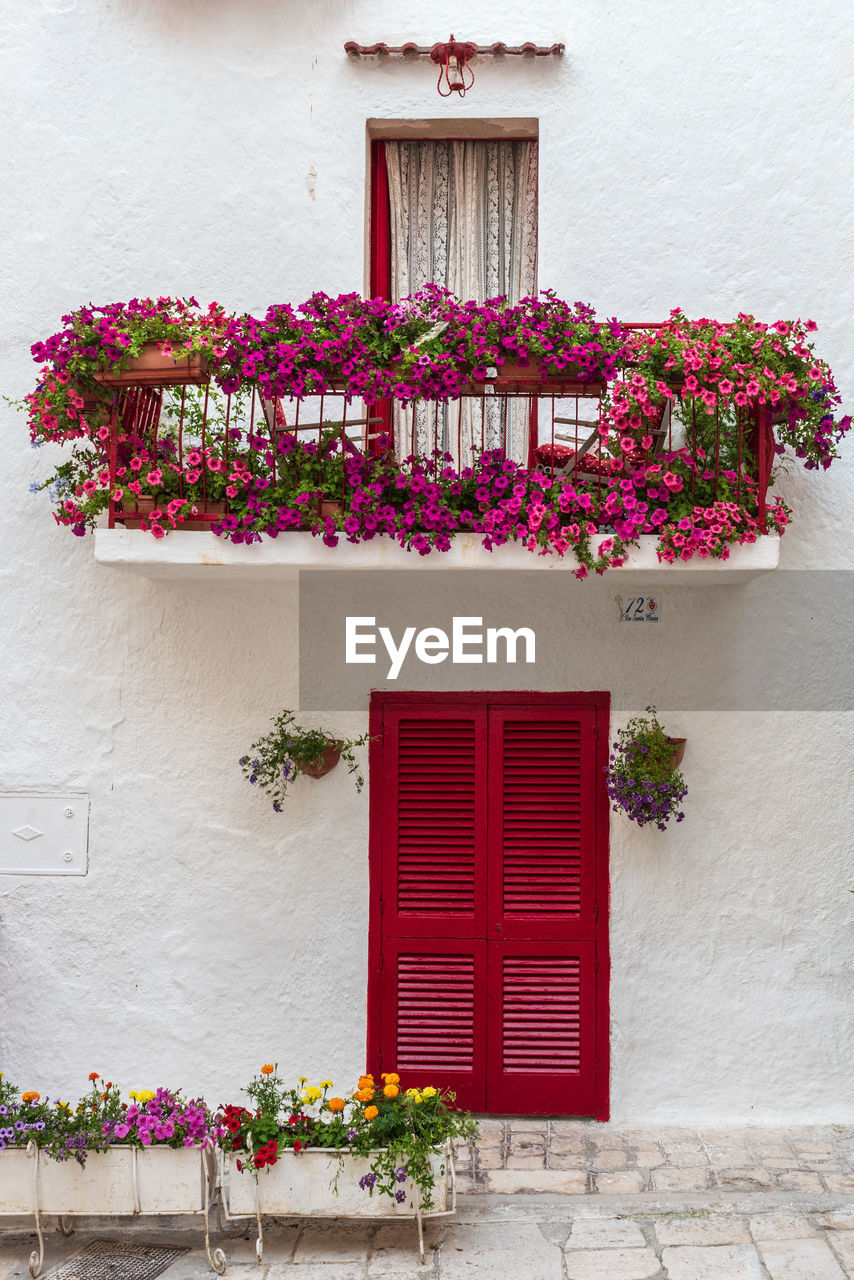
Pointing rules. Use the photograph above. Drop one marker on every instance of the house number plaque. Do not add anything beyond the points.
(639, 608)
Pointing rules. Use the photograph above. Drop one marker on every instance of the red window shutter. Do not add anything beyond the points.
(542, 788)
(434, 822)
(541, 1056)
(433, 1015)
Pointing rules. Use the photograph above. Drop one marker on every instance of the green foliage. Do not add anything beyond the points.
(276, 761)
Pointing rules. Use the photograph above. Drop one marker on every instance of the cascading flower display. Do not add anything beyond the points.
(641, 779)
(700, 496)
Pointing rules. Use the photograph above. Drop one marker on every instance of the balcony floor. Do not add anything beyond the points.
(183, 555)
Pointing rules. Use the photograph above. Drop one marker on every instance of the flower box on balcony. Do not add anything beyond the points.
(529, 377)
(151, 368)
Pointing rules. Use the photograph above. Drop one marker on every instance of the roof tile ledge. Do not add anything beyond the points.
(201, 555)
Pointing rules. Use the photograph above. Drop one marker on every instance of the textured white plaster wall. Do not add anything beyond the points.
(693, 154)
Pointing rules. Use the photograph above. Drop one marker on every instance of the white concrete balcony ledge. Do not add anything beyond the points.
(200, 555)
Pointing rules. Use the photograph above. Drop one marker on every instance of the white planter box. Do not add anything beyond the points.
(164, 1181)
(317, 1183)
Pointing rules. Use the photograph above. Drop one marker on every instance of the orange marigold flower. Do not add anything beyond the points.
(30, 1096)
(93, 1075)
(336, 1104)
(391, 1077)
(370, 1112)
(391, 1091)
(267, 1069)
(364, 1095)
(366, 1082)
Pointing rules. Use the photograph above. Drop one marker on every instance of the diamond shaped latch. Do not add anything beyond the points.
(43, 834)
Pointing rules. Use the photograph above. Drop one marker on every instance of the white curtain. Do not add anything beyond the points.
(464, 215)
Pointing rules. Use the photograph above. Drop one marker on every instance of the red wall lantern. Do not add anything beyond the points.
(455, 75)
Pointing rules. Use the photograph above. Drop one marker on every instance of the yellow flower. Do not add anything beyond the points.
(429, 1092)
(133, 1094)
(413, 1094)
(143, 1095)
(302, 1079)
(326, 1084)
(311, 1094)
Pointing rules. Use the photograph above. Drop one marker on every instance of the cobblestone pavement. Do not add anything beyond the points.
(575, 1157)
(567, 1200)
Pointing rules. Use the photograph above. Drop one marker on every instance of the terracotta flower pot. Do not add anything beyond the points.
(678, 745)
(139, 506)
(331, 507)
(211, 509)
(331, 756)
(153, 369)
(527, 376)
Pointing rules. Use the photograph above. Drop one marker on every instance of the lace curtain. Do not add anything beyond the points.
(463, 215)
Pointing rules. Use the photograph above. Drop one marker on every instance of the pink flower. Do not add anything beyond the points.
(155, 476)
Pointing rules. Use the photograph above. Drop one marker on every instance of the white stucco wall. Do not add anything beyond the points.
(691, 154)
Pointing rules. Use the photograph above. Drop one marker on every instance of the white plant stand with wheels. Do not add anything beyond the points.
(321, 1183)
(121, 1181)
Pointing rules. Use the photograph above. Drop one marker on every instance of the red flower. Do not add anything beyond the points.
(297, 1145)
(260, 1160)
(239, 1166)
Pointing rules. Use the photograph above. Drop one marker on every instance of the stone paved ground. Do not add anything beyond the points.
(568, 1200)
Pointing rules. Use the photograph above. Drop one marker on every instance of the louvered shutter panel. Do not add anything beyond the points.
(434, 822)
(434, 1015)
(542, 1021)
(542, 787)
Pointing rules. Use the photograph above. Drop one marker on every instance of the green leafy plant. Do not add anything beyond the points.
(275, 761)
(641, 778)
(397, 1130)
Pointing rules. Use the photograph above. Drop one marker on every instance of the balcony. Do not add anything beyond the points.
(430, 434)
(305, 460)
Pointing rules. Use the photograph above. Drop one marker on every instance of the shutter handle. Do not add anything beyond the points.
(498, 928)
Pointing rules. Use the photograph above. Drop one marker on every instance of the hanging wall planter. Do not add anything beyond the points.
(642, 775)
(328, 761)
(275, 761)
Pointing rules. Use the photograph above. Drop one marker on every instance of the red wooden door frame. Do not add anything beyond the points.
(600, 703)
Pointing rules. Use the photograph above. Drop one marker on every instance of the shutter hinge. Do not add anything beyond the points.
(381, 960)
(382, 906)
